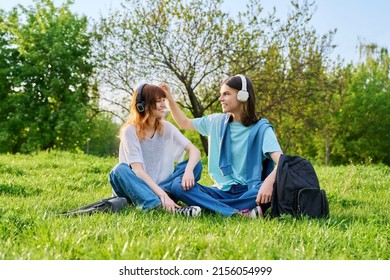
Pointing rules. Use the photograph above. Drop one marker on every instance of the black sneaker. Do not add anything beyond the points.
(190, 211)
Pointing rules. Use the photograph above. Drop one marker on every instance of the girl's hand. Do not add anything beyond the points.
(168, 204)
(188, 180)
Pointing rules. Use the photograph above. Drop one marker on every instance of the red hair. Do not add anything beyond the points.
(141, 120)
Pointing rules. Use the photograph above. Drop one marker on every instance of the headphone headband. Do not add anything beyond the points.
(243, 94)
(140, 105)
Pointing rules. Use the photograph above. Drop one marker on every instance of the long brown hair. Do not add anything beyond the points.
(248, 114)
(149, 95)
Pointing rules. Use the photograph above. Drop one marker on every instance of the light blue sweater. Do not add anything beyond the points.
(256, 169)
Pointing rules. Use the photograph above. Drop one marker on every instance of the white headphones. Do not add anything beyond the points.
(243, 94)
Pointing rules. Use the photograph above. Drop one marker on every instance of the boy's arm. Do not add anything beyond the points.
(265, 192)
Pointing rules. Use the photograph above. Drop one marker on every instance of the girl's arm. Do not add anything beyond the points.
(188, 180)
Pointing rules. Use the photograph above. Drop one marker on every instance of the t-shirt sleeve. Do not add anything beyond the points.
(201, 125)
(270, 143)
(204, 125)
(130, 147)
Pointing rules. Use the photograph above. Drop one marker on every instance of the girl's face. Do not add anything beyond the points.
(229, 102)
(160, 110)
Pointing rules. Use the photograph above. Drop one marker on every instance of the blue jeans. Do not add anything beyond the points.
(125, 183)
(224, 202)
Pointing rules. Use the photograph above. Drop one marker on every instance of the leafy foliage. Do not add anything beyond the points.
(364, 122)
(103, 136)
(47, 79)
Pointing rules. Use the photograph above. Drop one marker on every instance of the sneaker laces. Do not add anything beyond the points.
(190, 211)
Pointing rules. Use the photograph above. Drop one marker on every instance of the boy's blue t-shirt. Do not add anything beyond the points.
(210, 126)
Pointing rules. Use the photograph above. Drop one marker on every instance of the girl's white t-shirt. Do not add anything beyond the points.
(157, 154)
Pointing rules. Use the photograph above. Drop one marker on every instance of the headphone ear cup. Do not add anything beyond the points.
(242, 96)
(141, 107)
(140, 104)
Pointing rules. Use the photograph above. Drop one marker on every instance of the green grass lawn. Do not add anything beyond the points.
(35, 188)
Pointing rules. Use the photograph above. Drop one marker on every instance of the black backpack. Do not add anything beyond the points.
(110, 204)
(297, 190)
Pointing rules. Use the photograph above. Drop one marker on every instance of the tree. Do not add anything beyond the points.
(329, 105)
(103, 137)
(193, 45)
(187, 43)
(48, 99)
(364, 124)
(8, 60)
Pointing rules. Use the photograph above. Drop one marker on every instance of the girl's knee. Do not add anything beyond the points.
(119, 168)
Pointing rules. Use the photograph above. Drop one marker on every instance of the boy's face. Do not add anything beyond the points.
(228, 99)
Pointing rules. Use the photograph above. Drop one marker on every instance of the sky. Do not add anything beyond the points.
(355, 20)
